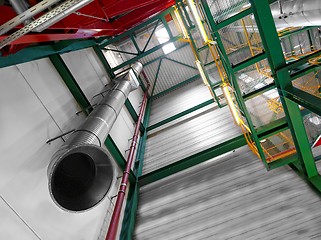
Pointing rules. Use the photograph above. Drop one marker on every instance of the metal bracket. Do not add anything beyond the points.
(91, 106)
(60, 136)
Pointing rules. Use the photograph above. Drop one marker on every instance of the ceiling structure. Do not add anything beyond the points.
(271, 73)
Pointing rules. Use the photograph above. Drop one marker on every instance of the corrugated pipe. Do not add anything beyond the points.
(113, 225)
(296, 13)
(81, 171)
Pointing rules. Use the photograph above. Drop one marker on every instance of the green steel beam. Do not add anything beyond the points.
(289, 33)
(120, 160)
(249, 62)
(140, 156)
(272, 128)
(306, 69)
(104, 62)
(193, 160)
(164, 55)
(119, 51)
(181, 114)
(284, 161)
(151, 35)
(71, 83)
(232, 78)
(144, 54)
(129, 219)
(271, 43)
(304, 99)
(133, 114)
(156, 76)
(106, 41)
(37, 52)
(301, 61)
(258, 92)
(180, 63)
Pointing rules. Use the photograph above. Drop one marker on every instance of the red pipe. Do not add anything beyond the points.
(113, 225)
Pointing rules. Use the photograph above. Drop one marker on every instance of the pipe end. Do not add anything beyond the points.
(80, 178)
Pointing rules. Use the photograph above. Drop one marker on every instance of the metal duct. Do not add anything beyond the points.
(296, 13)
(80, 172)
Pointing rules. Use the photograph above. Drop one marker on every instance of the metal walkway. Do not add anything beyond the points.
(229, 197)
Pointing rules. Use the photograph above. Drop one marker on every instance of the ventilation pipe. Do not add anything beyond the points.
(80, 172)
(296, 13)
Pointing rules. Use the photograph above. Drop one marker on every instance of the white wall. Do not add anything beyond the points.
(36, 105)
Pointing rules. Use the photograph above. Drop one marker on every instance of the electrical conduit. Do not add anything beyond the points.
(113, 225)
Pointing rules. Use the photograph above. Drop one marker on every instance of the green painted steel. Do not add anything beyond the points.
(193, 160)
(103, 42)
(230, 72)
(120, 160)
(296, 31)
(144, 54)
(38, 52)
(284, 161)
(151, 35)
(164, 55)
(282, 80)
(304, 99)
(104, 62)
(156, 76)
(249, 62)
(304, 70)
(71, 83)
(129, 219)
(302, 61)
(258, 92)
(180, 63)
(181, 114)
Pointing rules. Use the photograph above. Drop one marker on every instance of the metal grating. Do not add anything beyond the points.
(224, 9)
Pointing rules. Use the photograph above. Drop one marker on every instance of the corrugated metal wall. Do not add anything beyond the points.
(229, 197)
(177, 101)
(187, 135)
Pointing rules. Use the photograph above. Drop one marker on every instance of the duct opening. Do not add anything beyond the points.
(82, 178)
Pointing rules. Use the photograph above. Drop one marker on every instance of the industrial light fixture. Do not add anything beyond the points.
(230, 103)
(197, 20)
(202, 73)
(180, 23)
